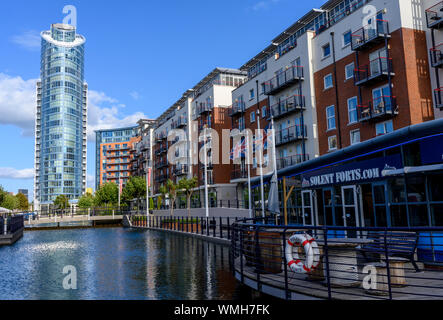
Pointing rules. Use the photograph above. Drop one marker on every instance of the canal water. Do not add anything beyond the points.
(116, 263)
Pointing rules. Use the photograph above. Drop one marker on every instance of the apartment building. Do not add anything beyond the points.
(433, 13)
(142, 151)
(113, 154)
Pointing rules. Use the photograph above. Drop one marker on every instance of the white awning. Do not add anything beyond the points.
(409, 170)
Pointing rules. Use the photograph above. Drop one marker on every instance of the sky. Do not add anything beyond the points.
(140, 57)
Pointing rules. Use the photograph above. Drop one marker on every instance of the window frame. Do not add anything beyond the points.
(330, 117)
(324, 82)
(329, 143)
(356, 111)
(351, 135)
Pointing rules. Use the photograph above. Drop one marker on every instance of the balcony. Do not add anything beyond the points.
(381, 108)
(370, 35)
(210, 178)
(240, 126)
(285, 107)
(161, 164)
(437, 56)
(204, 124)
(161, 178)
(291, 161)
(438, 95)
(181, 122)
(377, 70)
(291, 134)
(161, 136)
(285, 79)
(239, 174)
(237, 109)
(181, 170)
(434, 16)
(204, 108)
(161, 150)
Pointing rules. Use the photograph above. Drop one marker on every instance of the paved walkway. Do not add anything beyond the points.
(69, 219)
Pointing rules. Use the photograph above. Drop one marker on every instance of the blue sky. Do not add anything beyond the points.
(140, 57)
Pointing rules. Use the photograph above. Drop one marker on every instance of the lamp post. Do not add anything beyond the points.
(261, 157)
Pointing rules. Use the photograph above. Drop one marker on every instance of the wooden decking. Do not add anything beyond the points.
(426, 285)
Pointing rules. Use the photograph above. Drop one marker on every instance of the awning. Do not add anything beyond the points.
(411, 170)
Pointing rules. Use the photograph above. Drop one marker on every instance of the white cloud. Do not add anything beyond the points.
(11, 173)
(18, 101)
(90, 181)
(263, 4)
(30, 40)
(135, 95)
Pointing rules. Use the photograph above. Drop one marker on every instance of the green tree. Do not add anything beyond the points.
(9, 202)
(172, 194)
(22, 201)
(61, 202)
(86, 201)
(163, 191)
(107, 194)
(3, 193)
(188, 186)
(135, 189)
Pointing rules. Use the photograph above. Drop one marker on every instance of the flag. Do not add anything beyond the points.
(149, 177)
(121, 186)
(239, 150)
(263, 140)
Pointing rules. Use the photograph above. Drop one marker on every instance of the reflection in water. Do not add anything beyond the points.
(116, 264)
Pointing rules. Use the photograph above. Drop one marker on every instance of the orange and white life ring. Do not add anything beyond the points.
(312, 253)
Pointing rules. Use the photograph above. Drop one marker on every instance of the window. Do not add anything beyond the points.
(328, 81)
(251, 94)
(352, 110)
(347, 38)
(253, 117)
(332, 143)
(349, 71)
(326, 50)
(355, 136)
(264, 110)
(384, 128)
(330, 117)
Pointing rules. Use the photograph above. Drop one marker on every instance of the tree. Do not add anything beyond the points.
(163, 191)
(188, 186)
(61, 202)
(3, 193)
(172, 194)
(22, 201)
(86, 201)
(134, 189)
(107, 194)
(9, 202)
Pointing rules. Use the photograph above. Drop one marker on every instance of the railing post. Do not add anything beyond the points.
(287, 293)
(388, 271)
(241, 255)
(214, 223)
(221, 228)
(207, 226)
(257, 257)
(326, 249)
(229, 229)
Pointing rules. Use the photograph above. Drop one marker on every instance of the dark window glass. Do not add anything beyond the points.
(337, 194)
(399, 216)
(411, 154)
(418, 216)
(436, 187)
(397, 189)
(328, 215)
(437, 215)
(380, 214)
(339, 216)
(379, 195)
(416, 189)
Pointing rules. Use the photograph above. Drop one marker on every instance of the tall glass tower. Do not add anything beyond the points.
(61, 117)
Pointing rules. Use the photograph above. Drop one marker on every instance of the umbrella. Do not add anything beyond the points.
(4, 210)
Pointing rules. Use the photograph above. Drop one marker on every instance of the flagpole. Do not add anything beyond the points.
(248, 163)
(206, 174)
(119, 187)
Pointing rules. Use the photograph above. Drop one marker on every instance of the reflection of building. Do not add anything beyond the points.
(61, 117)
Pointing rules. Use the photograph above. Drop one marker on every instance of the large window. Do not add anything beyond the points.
(349, 71)
(330, 117)
(332, 143)
(384, 128)
(347, 38)
(355, 136)
(326, 49)
(352, 110)
(328, 82)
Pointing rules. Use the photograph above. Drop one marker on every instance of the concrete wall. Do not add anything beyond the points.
(213, 212)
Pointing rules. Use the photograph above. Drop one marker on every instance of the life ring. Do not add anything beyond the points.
(312, 253)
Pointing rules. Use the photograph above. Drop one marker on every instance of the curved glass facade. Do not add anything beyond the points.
(61, 116)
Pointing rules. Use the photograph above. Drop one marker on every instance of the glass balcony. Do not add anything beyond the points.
(437, 56)
(434, 16)
(291, 161)
(291, 134)
(204, 108)
(283, 80)
(161, 164)
(384, 107)
(285, 107)
(239, 173)
(237, 108)
(377, 70)
(181, 122)
(370, 35)
(181, 170)
(438, 96)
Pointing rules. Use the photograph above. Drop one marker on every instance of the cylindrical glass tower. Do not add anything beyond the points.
(61, 117)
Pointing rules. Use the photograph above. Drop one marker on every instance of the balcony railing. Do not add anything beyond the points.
(204, 124)
(291, 134)
(283, 80)
(179, 123)
(437, 56)
(210, 178)
(161, 164)
(370, 35)
(438, 95)
(161, 150)
(239, 174)
(377, 70)
(434, 16)
(161, 136)
(161, 178)
(379, 108)
(181, 170)
(294, 103)
(237, 108)
(204, 108)
(291, 161)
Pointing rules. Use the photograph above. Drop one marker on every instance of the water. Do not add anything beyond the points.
(115, 263)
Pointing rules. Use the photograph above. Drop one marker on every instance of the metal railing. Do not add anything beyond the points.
(369, 34)
(204, 107)
(179, 123)
(378, 108)
(340, 263)
(438, 97)
(294, 103)
(375, 70)
(181, 170)
(294, 133)
(434, 16)
(237, 108)
(437, 56)
(291, 75)
(291, 161)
